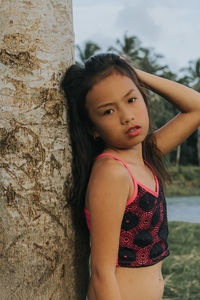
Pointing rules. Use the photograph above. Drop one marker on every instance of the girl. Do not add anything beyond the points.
(118, 174)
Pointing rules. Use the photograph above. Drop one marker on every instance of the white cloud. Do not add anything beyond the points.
(91, 3)
(137, 19)
(180, 29)
(89, 22)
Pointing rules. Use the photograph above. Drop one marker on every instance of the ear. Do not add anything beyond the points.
(95, 134)
(92, 131)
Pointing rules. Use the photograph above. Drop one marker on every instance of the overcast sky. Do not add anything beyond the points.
(171, 27)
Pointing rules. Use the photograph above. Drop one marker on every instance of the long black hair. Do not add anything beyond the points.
(76, 83)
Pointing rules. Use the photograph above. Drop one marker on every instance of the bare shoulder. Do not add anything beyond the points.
(108, 166)
(108, 176)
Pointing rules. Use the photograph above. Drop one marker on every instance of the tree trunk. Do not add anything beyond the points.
(178, 155)
(198, 144)
(39, 256)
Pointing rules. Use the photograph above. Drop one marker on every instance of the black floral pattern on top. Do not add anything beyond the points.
(163, 230)
(126, 254)
(147, 202)
(129, 221)
(156, 250)
(143, 238)
(144, 230)
(156, 217)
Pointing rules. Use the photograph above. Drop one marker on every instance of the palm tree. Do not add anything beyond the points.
(128, 47)
(38, 257)
(183, 80)
(193, 74)
(90, 48)
(148, 61)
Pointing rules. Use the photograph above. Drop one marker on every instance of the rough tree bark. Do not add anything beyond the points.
(38, 257)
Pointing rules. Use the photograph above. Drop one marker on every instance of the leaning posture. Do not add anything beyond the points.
(118, 173)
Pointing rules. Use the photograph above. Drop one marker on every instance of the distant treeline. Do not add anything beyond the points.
(161, 111)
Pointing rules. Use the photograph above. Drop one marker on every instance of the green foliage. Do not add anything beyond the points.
(129, 47)
(161, 112)
(149, 61)
(89, 49)
(181, 268)
(185, 180)
(193, 74)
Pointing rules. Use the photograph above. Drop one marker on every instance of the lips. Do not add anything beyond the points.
(134, 130)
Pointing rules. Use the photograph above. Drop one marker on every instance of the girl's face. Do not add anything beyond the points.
(118, 112)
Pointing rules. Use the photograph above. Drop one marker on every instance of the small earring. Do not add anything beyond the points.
(96, 137)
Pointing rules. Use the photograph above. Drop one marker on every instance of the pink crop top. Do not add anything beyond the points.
(144, 228)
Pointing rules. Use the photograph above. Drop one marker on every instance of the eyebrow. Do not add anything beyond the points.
(112, 103)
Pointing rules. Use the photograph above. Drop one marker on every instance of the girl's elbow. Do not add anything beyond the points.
(198, 117)
(102, 272)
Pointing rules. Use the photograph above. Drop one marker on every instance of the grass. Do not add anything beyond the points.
(181, 270)
(185, 181)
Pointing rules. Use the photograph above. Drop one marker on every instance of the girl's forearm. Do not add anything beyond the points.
(184, 98)
(106, 288)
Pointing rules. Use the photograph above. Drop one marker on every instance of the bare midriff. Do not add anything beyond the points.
(145, 283)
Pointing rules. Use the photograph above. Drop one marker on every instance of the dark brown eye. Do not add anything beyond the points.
(108, 111)
(131, 100)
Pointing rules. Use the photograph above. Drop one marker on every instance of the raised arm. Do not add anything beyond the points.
(107, 202)
(185, 99)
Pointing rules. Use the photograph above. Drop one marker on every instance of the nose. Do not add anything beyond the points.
(126, 116)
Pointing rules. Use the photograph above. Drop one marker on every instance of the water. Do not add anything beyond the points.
(184, 208)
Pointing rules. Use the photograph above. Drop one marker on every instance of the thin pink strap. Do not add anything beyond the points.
(134, 181)
(109, 154)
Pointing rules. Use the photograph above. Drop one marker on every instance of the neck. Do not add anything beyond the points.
(132, 155)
